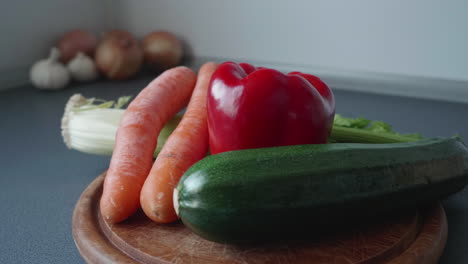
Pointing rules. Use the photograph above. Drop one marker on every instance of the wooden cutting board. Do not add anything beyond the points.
(412, 237)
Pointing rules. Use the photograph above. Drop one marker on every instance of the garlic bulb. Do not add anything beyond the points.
(50, 74)
(82, 68)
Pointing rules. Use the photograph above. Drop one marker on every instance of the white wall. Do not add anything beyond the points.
(348, 41)
(415, 48)
(29, 28)
(419, 37)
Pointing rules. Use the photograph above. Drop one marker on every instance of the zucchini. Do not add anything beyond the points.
(256, 194)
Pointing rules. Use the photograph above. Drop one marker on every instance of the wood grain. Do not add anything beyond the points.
(412, 237)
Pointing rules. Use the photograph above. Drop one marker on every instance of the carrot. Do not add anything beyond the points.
(185, 146)
(136, 140)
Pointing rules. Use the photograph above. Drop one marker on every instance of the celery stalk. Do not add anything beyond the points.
(89, 125)
(166, 132)
(361, 130)
(356, 135)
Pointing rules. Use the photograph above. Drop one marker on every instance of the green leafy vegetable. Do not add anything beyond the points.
(350, 122)
(361, 130)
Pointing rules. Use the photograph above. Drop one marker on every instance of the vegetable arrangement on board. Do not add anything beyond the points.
(278, 154)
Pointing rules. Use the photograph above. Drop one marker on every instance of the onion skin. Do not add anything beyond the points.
(117, 33)
(119, 55)
(76, 41)
(162, 50)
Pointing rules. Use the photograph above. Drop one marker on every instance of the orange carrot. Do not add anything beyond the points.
(185, 146)
(136, 140)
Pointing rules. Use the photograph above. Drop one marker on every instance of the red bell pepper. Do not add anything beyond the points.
(251, 107)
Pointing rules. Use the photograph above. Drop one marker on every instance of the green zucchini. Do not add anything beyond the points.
(255, 194)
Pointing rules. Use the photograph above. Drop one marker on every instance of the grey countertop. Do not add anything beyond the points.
(41, 179)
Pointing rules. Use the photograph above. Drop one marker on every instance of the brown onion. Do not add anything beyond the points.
(119, 56)
(162, 50)
(76, 41)
(117, 33)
